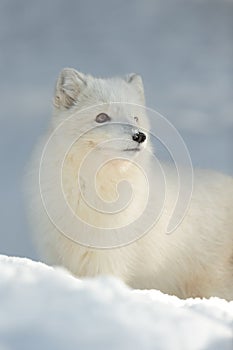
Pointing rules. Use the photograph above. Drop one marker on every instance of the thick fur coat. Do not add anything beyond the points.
(194, 261)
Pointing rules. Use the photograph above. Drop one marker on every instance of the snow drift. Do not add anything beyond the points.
(47, 308)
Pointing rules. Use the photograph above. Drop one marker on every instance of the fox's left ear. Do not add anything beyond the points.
(136, 81)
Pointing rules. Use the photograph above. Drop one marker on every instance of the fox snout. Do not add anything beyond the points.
(139, 137)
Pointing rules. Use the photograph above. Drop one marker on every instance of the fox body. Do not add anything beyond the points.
(196, 260)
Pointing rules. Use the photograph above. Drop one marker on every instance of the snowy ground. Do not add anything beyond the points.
(46, 308)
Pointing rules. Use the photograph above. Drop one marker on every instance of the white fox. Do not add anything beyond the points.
(194, 261)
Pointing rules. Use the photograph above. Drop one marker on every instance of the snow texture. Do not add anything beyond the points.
(47, 308)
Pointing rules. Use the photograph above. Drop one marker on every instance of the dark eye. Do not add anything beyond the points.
(136, 119)
(102, 118)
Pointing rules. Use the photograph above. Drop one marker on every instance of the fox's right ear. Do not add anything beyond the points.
(68, 87)
(136, 80)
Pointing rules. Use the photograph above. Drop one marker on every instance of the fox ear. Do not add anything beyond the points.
(69, 85)
(136, 80)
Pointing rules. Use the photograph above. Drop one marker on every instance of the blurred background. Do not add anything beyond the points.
(182, 48)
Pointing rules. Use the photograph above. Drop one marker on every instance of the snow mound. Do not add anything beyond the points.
(46, 308)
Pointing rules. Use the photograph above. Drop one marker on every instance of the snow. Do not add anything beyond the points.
(47, 308)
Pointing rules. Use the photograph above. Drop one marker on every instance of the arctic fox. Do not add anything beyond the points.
(196, 260)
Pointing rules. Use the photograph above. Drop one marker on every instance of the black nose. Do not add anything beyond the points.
(139, 137)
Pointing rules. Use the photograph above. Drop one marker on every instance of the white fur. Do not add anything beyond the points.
(195, 261)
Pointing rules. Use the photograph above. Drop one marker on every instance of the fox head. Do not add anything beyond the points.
(108, 114)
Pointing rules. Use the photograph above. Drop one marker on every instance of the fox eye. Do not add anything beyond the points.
(102, 118)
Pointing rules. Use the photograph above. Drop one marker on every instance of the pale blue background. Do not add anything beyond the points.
(183, 50)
